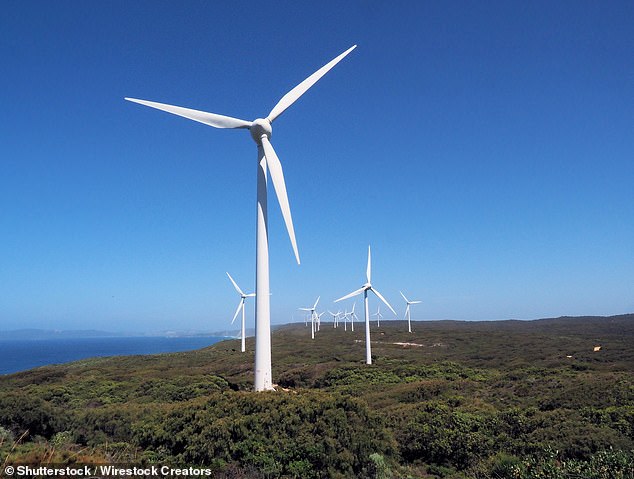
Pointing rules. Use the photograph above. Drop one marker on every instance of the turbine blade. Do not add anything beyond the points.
(383, 299)
(415, 302)
(237, 310)
(211, 119)
(354, 293)
(235, 285)
(315, 306)
(277, 176)
(250, 295)
(406, 311)
(293, 95)
(304, 309)
(368, 271)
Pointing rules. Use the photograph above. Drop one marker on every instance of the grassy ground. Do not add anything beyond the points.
(462, 399)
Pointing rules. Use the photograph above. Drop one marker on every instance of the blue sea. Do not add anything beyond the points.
(22, 354)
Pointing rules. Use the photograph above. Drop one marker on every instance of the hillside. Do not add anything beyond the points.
(453, 399)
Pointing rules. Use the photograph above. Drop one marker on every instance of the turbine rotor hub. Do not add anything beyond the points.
(259, 128)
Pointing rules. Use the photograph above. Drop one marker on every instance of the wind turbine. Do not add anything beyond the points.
(407, 313)
(364, 289)
(319, 319)
(378, 315)
(243, 298)
(260, 130)
(335, 317)
(353, 316)
(312, 317)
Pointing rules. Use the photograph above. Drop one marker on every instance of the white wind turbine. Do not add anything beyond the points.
(243, 298)
(407, 313)
(364, 289)
(378, 316)
(335, 317)
(312, 317)
(260, 130)
(319, 319)
(345, 320)
(352, 315)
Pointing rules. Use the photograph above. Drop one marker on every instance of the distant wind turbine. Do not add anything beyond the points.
(319, 319)
(378, 316)
(335, 317)
(407, 313)
(260, 129)
(243, 298)
(312, 317)
(352, 315)
(364, 289)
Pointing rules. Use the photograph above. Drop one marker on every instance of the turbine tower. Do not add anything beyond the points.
(243, 298)
(364, 289)
(407, 313)
(260, 130)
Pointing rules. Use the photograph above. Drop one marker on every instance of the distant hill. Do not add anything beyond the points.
(583, 324)
(25, 334)
(51, 333)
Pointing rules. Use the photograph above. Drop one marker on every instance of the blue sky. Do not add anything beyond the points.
(484, 149)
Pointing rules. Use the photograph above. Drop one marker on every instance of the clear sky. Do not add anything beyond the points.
(484, 149)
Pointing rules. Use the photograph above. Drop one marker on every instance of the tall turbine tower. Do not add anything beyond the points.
(364, 289)
(407, 313)
(243, 298)
(260, 130)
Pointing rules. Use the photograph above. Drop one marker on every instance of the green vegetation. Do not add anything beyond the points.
(465, 400)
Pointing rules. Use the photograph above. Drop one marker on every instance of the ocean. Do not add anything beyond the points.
(22, 354)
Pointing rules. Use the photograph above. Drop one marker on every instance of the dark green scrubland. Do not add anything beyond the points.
(465, 400)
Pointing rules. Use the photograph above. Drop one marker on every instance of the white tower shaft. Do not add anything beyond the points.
(263, 374)
(368, 346)
(243, 348)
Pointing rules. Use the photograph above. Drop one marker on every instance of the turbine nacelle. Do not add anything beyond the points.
(259, 128)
